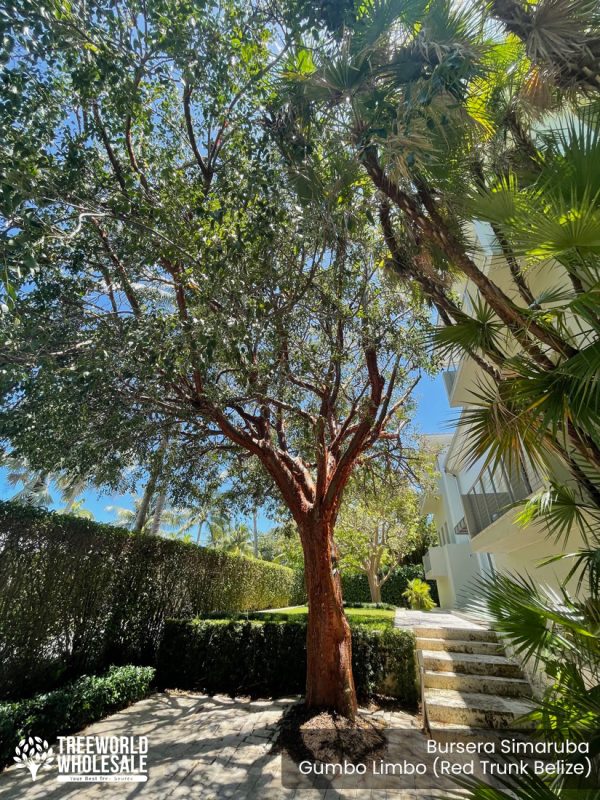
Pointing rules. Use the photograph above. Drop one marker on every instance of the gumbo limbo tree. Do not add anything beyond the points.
(162, 285)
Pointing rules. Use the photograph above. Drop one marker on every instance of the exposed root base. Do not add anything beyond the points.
(316, 735)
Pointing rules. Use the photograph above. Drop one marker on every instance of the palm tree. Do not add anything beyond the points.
(467, 146)
(76, 509)
(36, 486)
(450, 128)
(562, 38)
(71, 487)
(547, 413)
(239, 541)
(219, 531)
(160, 518)
(35, 489)
(156, 469)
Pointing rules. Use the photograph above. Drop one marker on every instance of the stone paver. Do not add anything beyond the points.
(406, 618)
(213, 748)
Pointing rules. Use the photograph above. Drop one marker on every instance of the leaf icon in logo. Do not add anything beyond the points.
(33, 753)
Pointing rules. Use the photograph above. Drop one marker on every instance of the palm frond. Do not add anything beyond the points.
(540, 623)
(561, 509)
(525, 787)
(586, 306)
(569, 392)
(481, 332)
(501, 204)
(498, 429)
(570, 156)
(586, 566)
(520, 612)
(377, 18)
(570, 708)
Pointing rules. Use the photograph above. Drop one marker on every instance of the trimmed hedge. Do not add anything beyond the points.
(355, 587)
(76, 596)
(269, 659)
(71, 707)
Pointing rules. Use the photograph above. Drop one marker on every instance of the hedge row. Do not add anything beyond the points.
(76, 596)
(355, 588)
(71, 707)
(269, 659)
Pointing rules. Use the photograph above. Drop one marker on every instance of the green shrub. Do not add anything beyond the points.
(384, 606)
(418, 595)
(76, 595)
(355, 587)
(269, 658)
(71, 707)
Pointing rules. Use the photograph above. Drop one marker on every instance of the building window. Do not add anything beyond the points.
(495, 490)
(443, 534)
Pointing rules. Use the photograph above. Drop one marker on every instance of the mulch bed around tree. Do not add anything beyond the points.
(309, 735)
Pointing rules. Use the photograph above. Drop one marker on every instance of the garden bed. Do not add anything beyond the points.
(309, 735)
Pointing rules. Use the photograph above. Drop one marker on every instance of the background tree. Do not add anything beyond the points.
(181, 287)
(380, 525)
(37, 486)
(281, 544)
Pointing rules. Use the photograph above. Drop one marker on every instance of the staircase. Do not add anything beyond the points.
(467, 681)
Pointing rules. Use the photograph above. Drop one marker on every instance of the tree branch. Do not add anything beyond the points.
(206, 171)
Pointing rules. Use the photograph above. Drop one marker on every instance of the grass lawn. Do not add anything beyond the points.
(373, 617)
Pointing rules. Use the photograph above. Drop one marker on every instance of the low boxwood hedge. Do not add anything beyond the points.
(269, 659)
(71, 707)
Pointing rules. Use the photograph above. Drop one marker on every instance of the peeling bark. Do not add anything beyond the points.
(329, 680)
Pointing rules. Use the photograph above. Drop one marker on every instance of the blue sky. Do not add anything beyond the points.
(433, 415)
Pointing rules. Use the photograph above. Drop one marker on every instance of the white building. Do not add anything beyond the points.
(472, 507)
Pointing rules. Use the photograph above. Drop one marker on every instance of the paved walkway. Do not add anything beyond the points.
(436, 618)
(213, 748)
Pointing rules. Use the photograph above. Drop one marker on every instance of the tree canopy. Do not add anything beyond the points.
(169, 301)
(203, 208)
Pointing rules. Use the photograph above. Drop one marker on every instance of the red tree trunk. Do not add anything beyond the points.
(329, 680)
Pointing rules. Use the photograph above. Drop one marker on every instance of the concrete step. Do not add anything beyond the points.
(465, 634)
(480, 684)
(470, 664)
(447, 732)
(476, 710)
(460, 646)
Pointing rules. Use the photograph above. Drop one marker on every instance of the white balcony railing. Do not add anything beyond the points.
(426, 563)
(495, 491)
